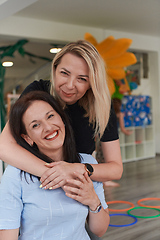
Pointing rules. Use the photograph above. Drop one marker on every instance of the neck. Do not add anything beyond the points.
(56, 156)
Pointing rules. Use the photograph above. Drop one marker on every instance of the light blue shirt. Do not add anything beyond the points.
(42, 214)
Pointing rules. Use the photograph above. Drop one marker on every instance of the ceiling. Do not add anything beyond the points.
(138, 16)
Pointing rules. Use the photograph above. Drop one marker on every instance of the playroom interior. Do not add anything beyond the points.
(130, 47)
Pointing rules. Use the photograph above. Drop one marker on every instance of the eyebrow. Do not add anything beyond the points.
(65, 70)
(46, 115)
(33, 122)
(78, 75)
(84, 76)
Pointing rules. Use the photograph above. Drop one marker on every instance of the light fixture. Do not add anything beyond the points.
(7, 64)
(55, 50)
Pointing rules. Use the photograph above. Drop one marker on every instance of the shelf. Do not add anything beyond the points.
(139, 145)
(139, 135)
(129, 152)
(129, 139)
(148, 134)
(149, 149)
(140, 151)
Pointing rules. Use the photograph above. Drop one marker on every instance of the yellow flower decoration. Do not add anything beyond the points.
(114, 52)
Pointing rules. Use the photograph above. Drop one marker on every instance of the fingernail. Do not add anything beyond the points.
(40, 186)
(50, 188)
(46, 164)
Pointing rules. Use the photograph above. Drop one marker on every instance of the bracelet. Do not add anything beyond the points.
(98, 209)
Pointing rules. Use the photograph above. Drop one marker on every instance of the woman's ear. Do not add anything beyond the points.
(27, 139)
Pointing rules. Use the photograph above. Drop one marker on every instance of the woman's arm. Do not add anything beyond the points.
(82, 190)
(11, 234)
(99, 222)
(110, 170)
(121, 124)
(15, 155)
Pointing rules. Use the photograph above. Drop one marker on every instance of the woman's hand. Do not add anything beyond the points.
(58, 173)
(82, 190)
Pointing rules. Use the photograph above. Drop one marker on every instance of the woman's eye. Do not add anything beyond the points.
(83, 79)
(35, 125)
(64, 73)
(50, 116)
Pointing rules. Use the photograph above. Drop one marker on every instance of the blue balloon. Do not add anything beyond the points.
(133, 85)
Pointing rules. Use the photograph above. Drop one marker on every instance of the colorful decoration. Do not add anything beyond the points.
(120, 210)
(145, 208)
(114, 52)
(121, 87)
(123, 225)
(139, 202)
(137, 110)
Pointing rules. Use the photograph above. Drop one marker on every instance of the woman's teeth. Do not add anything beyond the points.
(52, 135)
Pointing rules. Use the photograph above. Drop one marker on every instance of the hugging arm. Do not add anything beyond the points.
(55, 174)
(17, 156)
(110, 170)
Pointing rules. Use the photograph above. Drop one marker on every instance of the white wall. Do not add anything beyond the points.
(151, 86)
(47, 31)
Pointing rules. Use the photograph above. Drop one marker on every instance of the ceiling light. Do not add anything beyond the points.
(7, 64)
(55, 50)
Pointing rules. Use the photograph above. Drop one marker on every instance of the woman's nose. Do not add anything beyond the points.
(47, 126)
(70, 83)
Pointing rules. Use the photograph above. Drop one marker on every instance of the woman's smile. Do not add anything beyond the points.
(52, 136)
(71, 78)
(45, 128)
(67, 94)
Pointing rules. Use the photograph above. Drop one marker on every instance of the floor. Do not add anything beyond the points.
(141, 179)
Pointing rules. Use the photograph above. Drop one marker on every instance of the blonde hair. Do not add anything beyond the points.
(96, 100)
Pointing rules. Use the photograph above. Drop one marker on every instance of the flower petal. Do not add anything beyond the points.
(88, 37)
(105, 45)
(119, 47)
(123, 61)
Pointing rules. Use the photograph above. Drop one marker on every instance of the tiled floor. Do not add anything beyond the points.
(141, 179)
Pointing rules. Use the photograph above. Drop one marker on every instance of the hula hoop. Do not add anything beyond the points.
(123, 225)
(120, 210)
(146, 199)
(158, 215)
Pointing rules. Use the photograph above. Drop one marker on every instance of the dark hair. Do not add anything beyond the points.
(116, 105)
(17, 126)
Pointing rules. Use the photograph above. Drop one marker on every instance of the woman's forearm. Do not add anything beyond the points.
(112, 168)
(15, 155)
(106, 172)
(99, 222)
(9, 234)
